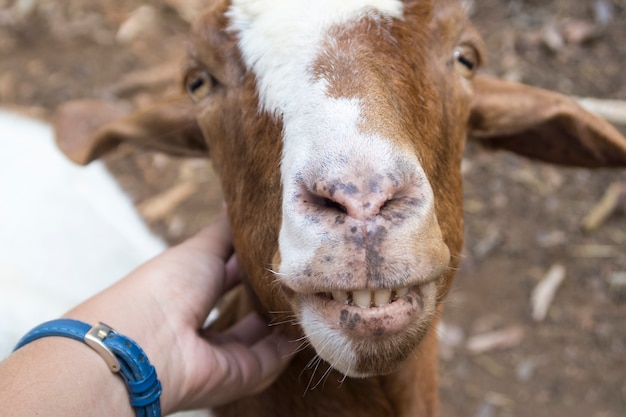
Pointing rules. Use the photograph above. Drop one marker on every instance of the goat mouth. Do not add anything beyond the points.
(358, 338)
(366, 298)
(397, 307)
(371, 313)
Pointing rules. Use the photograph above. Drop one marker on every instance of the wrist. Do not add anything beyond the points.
(49, 378)
(121, 354)
(133, 321)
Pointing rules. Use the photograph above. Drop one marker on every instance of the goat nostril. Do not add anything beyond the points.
(328, 203)
(346, 200)
(314, 199)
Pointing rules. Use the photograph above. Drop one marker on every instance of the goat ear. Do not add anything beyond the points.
(543, 125)
(85, 130)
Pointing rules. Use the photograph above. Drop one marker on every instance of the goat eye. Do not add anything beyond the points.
(198, 84)
(466, 60)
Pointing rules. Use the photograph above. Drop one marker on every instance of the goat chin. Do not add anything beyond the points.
(362, 342)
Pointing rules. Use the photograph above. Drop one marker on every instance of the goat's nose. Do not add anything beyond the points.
(361, 199)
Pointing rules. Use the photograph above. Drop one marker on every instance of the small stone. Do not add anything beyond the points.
(552, 38)
(579, 32)
(617, 286)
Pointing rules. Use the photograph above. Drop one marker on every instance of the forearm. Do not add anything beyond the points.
(60, 377)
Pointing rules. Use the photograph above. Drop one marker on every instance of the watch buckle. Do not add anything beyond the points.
(95, 340)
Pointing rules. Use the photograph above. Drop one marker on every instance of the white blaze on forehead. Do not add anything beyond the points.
(279, 40)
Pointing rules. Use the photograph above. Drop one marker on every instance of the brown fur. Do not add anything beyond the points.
(405, 72)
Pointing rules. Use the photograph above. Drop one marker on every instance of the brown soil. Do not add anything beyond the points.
(522, 217)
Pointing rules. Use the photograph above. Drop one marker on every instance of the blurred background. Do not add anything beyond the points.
(524, 220)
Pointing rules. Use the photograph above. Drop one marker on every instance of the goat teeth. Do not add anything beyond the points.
(382, 297)
(340, 296)
(401, 292)
(362, 298)
(368, 298)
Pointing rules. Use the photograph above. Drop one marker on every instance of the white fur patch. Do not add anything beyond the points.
(330, 344)
(279, 40)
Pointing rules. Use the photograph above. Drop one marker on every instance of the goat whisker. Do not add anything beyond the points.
(317, 361)
(323, 378)
(292, 321)
(301, 347)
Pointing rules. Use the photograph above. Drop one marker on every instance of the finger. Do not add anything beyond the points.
(274, 352)
(246, 331)
(219, 285)
(248, 370)
(232, 274)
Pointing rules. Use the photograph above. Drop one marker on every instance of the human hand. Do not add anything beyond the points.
(163, 305)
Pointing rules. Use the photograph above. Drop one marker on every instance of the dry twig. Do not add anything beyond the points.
(613, 199)
(161, 205)
(499, 339)
(544, 291)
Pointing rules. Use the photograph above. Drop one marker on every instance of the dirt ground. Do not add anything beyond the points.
(522, 217)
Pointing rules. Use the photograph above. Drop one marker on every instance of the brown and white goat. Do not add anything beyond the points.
(337, 129)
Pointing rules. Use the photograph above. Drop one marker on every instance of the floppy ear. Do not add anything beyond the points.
(543, 125)
(86, 130)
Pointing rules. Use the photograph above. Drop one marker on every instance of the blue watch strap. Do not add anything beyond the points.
(121, 354)
(73, 329)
